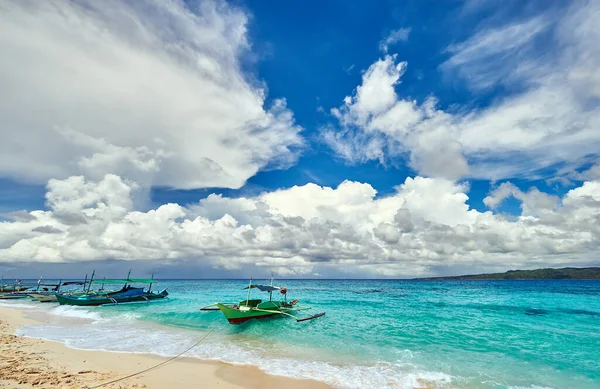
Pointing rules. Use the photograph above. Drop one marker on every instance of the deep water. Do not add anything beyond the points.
(376, 334)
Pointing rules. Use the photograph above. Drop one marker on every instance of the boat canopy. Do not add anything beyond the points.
(142, 280)
(263, 288)
(45, 284)
(124, 281)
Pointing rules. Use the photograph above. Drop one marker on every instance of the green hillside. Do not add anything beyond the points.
(567, 273)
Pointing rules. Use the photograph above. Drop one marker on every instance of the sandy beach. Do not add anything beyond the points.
(36, 363)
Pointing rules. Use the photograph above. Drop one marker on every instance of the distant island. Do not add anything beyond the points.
(566, 273)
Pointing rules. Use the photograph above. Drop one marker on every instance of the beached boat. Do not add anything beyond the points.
(45, 295)
(12, 296)
(250, 309)
(127, 294)
(15, 287)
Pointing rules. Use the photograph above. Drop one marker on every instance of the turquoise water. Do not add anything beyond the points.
(376, 334)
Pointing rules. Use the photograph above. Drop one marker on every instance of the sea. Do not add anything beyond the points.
(375, 334)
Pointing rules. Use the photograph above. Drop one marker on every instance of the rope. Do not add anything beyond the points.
(157, 365)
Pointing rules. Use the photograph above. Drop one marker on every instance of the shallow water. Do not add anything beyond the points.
(376, 334)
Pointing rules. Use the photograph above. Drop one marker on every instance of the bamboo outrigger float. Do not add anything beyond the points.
(250, 309)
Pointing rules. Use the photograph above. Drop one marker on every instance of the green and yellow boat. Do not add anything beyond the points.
(249, 309)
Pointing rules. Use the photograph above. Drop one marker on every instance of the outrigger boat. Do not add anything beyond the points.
(127, 294)
(13, 292)
(12, 296)
(13, 288)
(44, 295)
(250, 309)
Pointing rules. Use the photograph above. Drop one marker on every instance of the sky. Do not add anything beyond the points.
(229, 139)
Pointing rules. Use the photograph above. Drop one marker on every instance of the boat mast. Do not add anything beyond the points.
(84, 283)
(91, 279)
(127, 280)
(249, 287)
(150, 287)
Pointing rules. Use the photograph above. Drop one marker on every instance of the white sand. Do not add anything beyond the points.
(35, 363)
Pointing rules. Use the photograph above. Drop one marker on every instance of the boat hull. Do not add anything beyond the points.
(237, 316)
(43, 297)
(12, 296)
(13, 289)
(106, 300)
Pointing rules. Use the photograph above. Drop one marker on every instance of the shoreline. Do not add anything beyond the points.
(29, 363)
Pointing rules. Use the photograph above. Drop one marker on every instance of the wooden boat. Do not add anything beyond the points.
(127, 294)
(16, 287)
(12, 296)
(250, 309)
(45, 295)
(109, 299)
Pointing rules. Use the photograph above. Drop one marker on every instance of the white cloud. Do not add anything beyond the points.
(425, 224)
(149, 90)
(552, 123)
(533, 202)
(377, 124)
(497, 54)
(395, 36)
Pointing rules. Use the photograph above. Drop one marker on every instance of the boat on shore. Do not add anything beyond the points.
(249, 309)
(15, 287)
(14, 291)
(127, 294)
(12, 296)
(44, 295)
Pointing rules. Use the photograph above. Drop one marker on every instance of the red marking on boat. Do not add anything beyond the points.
(243, 319)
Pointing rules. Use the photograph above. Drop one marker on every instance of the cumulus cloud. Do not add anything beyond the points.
(378, 125)
(150, 90)
(551, 123)
(533, 202)
(426, 224)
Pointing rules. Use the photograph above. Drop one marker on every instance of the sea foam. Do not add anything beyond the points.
(124, 333)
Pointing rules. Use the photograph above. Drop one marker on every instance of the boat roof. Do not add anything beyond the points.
(263, 288)
(48, 284)
(124, 281)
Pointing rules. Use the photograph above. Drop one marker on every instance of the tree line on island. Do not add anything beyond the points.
(567, 273)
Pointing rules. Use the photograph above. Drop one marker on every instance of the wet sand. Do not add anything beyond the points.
(35, 363)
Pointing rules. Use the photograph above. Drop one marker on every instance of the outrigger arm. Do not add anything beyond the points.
(210, 308)
(298, 319)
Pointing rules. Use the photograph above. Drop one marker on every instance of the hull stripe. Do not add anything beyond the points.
(239, 320)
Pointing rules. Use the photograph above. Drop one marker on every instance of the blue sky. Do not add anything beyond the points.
(314, 54)
(246, 100)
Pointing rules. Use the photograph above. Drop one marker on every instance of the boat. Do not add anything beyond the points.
(12, 296)
(249, 309)
(14, 291)
(45, 295)
(16, 287)
(127, 294)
